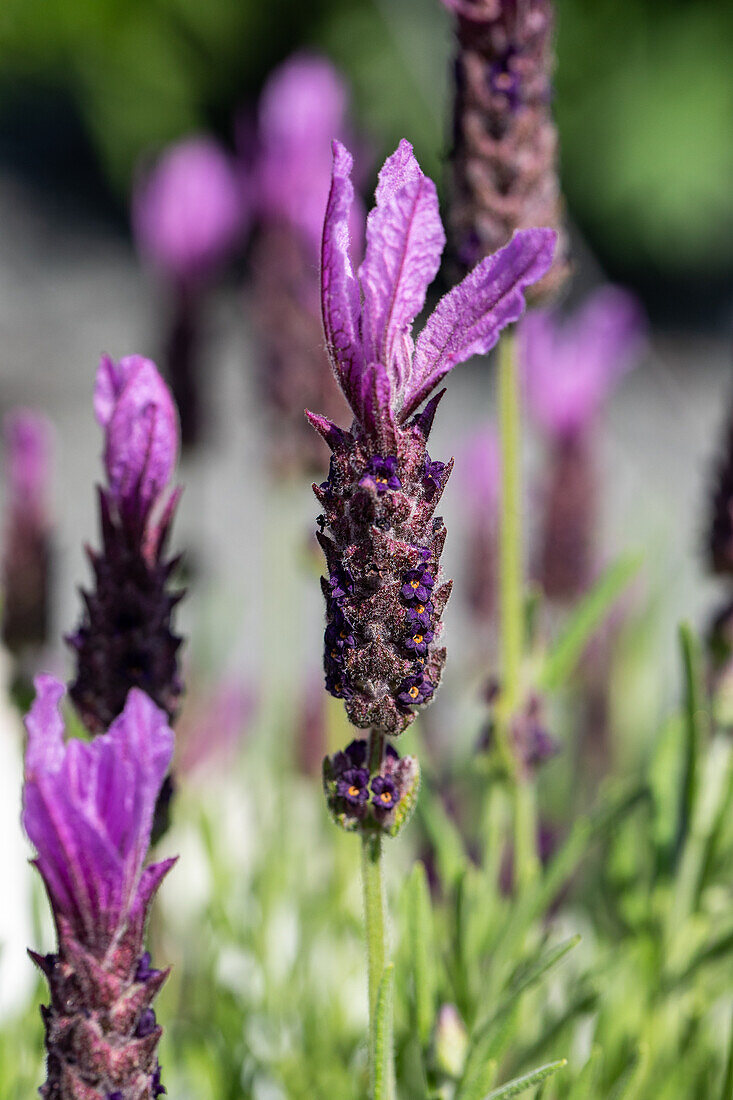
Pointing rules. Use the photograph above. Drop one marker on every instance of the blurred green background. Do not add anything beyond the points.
(644, 104)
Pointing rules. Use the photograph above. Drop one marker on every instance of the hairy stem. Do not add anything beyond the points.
(374, 913)
(511, 606)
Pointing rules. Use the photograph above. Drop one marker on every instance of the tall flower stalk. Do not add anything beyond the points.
(385, 591)
(88, 810)
(504, 178)
(26, 551)
(126, 636)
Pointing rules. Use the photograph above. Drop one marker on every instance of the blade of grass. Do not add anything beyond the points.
(420, 926)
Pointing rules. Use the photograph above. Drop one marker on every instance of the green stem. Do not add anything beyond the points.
(374, 913)
(511, 607)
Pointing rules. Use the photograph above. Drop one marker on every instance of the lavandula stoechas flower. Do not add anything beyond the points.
(188, 215)
(385, 586)
(126, 638)
(303, 105)
(480, 473)
(504, 138)
(570, 367)
(26, 540)
(88, 810)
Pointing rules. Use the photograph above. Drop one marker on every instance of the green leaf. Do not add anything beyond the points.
(422, 954)
(727, 1092)
(491, 1035)
(534, 903)
(446, 839)
(585, 620)
(696, 724)
(521, 1084)
(382, 1036)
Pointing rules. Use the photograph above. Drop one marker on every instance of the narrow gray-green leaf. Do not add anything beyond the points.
(449, 848)
(521, 1084)
(694, 727)
(727, 1093)
(420, 927)
(585, 620)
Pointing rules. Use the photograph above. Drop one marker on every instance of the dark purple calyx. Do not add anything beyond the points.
(126, 636)
(382, 802)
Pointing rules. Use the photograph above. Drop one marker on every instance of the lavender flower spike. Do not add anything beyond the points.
(569, 369)
(88, 810)
(504, 138)
(26, 550)
(125, 638)
(384, 543)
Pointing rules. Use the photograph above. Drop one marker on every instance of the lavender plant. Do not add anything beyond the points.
(88, 810)
(385, 592)
(504, 139)
(26, 560)
(126, 638)
(570, 368)
(189, 213)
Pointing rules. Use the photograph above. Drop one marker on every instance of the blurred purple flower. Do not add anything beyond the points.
(303, 107)
(189, 212)
(88, 810)
(570, 366)
(135, 408)
(504, 148)
(213, 725)
(26, 543)
(28, 449)
(385, 535)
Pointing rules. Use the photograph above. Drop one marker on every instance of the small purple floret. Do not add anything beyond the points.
(384, 792)
(418, 584)
(414, 690)
(381, 472)
(353, 786)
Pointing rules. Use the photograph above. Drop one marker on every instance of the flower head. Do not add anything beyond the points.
(383, 487)
(88, 810)
(571, 366)
(189, 212)
(134, 407)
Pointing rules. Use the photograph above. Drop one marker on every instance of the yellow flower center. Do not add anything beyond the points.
(413, 692)
(414, 584)
(386, 796)
(353, 791)
(417, 638)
